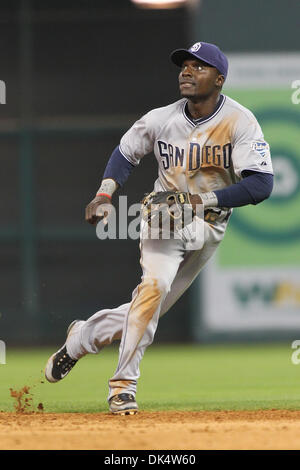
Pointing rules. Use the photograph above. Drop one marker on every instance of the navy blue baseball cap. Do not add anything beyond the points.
(209, 53)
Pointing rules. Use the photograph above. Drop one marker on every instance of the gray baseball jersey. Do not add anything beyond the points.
(198, 156)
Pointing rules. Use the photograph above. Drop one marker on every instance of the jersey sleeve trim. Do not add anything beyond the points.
(255, 170)
(127, 158)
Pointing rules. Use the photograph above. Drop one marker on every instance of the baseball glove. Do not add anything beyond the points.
(167, 210)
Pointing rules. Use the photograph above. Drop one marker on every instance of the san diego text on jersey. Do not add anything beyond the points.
(197, 155)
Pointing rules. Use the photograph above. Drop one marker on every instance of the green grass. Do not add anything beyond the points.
(179, 377)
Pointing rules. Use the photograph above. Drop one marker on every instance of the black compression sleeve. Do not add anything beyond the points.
(253, 189)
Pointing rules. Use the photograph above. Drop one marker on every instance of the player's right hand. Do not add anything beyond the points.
(99, 208)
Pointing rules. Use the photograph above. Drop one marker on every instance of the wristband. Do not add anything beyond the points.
(107, 188)
(103, 194)
(209, 199)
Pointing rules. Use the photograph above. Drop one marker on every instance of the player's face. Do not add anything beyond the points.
(198, 80)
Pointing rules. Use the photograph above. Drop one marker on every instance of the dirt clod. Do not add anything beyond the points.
(22, 402)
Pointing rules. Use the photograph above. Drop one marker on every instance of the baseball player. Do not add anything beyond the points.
(211, 152)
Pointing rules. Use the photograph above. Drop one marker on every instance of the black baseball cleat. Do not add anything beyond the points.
(60, 363)
(123, 404)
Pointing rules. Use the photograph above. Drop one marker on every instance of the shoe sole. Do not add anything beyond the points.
(125, 412)
(49, 364)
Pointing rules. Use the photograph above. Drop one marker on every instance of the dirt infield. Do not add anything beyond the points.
(179, 430)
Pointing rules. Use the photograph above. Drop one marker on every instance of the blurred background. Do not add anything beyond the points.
(77, 75)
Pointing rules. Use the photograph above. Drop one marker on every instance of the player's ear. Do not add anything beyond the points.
(220, 79)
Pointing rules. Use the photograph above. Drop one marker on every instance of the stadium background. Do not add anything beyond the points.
(78, 74)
